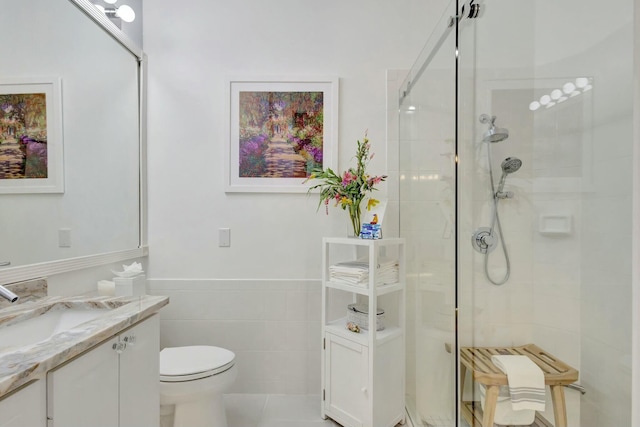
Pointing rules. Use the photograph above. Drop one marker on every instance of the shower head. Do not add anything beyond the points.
(511, 165)
(493, 134)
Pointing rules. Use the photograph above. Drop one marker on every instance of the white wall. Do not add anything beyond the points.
(275, 238)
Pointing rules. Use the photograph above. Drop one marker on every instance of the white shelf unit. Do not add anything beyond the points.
(363, 374)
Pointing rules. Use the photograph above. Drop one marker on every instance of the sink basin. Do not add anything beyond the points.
(41, 327)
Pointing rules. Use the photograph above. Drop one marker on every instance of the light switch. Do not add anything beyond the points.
(224, 237)
(64, 238)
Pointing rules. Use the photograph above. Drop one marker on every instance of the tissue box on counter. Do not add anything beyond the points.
(125, 286)
(371, 231)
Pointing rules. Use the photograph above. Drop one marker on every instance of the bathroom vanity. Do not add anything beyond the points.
(102, 371)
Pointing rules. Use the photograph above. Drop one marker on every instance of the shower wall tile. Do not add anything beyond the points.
(272, 326)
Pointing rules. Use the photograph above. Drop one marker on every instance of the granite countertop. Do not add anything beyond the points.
(20, 365)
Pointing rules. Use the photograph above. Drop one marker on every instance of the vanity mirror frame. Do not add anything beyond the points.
(48, 268)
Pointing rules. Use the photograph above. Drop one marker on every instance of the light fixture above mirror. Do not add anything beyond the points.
(117, 13)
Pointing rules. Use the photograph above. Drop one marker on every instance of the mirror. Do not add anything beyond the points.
(98, 210)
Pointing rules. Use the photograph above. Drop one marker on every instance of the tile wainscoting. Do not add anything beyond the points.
(273, 326)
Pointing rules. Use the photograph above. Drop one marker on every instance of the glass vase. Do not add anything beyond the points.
(355, 215)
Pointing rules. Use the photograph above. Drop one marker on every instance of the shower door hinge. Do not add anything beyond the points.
(472, 13)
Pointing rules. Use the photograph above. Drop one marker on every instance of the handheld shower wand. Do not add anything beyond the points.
(509, 165)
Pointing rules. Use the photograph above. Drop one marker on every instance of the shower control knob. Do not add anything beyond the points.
(488, 240)
(483, 240)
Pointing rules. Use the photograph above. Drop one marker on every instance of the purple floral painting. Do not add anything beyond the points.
(23, 136)
(280, 134)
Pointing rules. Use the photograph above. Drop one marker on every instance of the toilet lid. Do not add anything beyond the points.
(193, 362)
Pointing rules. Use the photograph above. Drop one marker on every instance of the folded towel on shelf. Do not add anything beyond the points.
(526, 381)
(357, 272)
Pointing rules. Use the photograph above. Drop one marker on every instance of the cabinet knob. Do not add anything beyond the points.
(119, 347)
(363, 389)
(130, 339)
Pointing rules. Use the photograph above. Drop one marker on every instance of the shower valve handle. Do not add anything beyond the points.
(487, 240)
(483, 240)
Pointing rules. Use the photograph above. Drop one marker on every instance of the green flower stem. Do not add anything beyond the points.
(354, 214)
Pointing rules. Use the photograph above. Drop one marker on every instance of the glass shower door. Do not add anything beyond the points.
(427, 222)
(559, 275)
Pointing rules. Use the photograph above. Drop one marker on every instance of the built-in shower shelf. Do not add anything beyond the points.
(555, 225)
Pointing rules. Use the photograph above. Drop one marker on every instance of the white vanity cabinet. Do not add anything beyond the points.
(363, 374)
(113, 384)
(25, 407)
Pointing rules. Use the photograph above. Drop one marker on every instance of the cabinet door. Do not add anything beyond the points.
(84, 392)
(140, 375)
(346, 391)
(26, 407)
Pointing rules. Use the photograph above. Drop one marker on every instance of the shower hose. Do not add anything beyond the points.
(496, 221)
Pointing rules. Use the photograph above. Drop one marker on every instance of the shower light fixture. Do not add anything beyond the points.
(569, 90)
(123, 12)
(581, 82)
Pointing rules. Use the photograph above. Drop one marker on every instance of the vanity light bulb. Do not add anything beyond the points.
(125, 13)
(568, 88)
(110, 1)
(545, 99)
(582, 82)
(99, 7)
(556, 94)
(534, 106)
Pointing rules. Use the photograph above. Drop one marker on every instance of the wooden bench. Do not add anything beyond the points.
(477, 360)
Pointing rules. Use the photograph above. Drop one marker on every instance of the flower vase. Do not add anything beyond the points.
(355, 216)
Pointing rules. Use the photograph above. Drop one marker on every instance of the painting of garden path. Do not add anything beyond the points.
(281, 134)
(23, 136)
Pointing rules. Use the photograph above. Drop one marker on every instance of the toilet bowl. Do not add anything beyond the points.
(192, 381)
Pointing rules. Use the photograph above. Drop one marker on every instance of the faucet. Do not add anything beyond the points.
(7, 294)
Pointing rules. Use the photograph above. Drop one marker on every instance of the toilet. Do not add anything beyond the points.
(192, 381)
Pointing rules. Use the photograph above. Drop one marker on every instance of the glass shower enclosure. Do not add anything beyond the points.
(515, 199)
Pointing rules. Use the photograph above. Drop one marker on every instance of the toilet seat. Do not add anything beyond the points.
(189, 363)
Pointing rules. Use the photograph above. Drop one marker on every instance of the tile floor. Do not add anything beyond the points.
(274, 410)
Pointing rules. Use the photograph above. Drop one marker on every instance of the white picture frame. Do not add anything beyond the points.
(274, 132)
(31, 143)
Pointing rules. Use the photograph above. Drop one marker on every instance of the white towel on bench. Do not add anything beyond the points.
(526, 381)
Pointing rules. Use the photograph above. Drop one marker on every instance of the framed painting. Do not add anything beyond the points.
(31, 155)
(280, 129)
